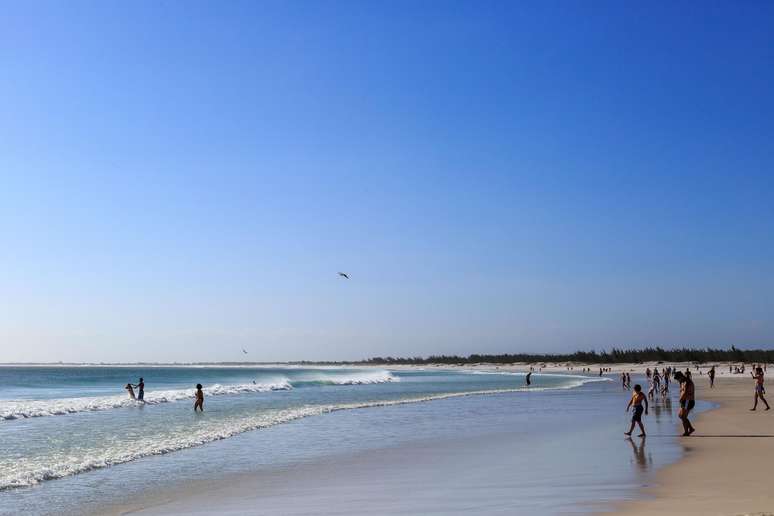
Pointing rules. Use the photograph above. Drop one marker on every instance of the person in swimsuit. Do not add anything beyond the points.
(199, 403)
(687, 401)
(528, 378)
(130, 390)
(636, 400)
(141, 391)
(759, 390)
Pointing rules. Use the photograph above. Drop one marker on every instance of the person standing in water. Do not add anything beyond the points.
(199, 403)
(687, 401)
(130, 390)
(528, 378)
(141, 391)
(759, 390)
(636, 400)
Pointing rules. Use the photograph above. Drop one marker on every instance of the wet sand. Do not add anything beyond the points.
(727, 468)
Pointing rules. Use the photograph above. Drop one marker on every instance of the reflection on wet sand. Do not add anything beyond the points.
(644, 462)
(663, 408)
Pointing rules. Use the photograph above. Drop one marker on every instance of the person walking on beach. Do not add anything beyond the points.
(199, 403)
(141, 391)
(528, 378)
(636, 400)
(759, 390)
(711, 374)
(687, 401)
(623, 380)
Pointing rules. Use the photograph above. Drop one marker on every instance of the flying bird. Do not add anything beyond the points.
(243, 351)
(343, 275)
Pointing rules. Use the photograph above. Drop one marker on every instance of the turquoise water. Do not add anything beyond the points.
(72, 439)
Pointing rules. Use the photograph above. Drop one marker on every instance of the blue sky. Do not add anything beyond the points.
(182, 179)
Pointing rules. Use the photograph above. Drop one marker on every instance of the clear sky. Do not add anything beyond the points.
(179, 180)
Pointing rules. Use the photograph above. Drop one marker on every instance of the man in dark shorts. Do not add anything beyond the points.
(687, 401)
(141, 392)
(636, 400)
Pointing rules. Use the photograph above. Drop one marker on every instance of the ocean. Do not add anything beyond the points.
(72, 442)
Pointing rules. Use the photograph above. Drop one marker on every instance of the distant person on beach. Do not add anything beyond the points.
(130, 390)
(711, 374)
(528, 377)
(623, 380)
(665, 388)
(687, 401)
(628, 381)
(647, 373)
(636, 400)
(600, 371)
(199, 403)
(141, 391)
(759, 390)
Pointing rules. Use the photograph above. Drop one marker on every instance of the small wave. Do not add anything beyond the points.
(587, 379)
(21, 409)
(346, 378)
(10, 410)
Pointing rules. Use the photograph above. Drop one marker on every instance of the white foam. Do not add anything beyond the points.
(18, 409)
(359, 377)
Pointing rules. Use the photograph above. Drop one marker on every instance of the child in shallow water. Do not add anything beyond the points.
(130, 390)
(636, 400)
(199, 398)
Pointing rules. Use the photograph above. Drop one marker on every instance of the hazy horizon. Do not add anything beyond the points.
(179, 181)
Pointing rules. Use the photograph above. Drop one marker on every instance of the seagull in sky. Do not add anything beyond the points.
(243, 351)
(343, 275)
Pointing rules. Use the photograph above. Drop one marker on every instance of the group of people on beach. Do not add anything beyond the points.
(639, 401)
(199, 395)
(659, 382)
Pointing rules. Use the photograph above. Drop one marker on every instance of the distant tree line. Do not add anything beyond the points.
(614, 356)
